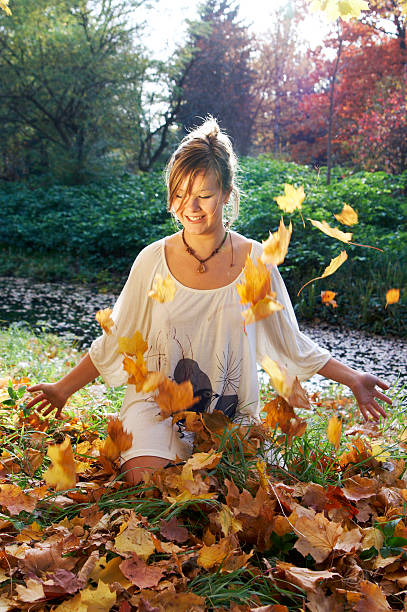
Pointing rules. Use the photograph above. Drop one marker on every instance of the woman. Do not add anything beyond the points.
(199, 335)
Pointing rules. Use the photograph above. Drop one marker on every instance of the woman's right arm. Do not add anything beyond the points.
(55, 395)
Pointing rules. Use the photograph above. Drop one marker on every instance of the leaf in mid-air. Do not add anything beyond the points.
(392, 296)
(276, 246)
(256, 290)
(105, 320)
(173, 397)
(334, 264)
(327, 297)
(292, 198)
(163, 290)
(62, 473)
(281, 381)
(117, 440)
(334, 431)
(262, 309)
(347, 216)
(4, 5)
(136, 345)
(346, 9)
(331, 231)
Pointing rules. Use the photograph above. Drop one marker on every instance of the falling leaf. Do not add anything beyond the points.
(347, 216)
(279, 378)
(345, 9)
(275, 248)
(173, 398)
(163, 290)
(139, 375)
(334, 264)
(257, 282)
(263, 309)
(4, 5)
(292, 199)
(327, 297)
(117, 440)
(62, 473)
(136, 345)
(139, 573)
(331, 231)
(105, 320)
(15, 500)
(392, 296)
(334, 431)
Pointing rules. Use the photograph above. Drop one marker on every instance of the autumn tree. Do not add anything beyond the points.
(71, 74)
(220, 81)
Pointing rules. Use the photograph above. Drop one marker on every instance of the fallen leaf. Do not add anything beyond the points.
(105, 320)
(136, 345)
(347, 216)
(215, 554)
(301, 576)
(334, 431)
(109, 571)
(62, 473)
(327, 297)
(135, 538)
(392, 296)
(172, 530)
(32, 592)
(317, 536)
(163, 290)
(373, 598)
(292, 198)
(15, 500)
(334, 264)
(141, 574)
(331, 231)
(275, 248)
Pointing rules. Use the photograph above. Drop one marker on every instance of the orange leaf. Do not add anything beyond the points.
(163, 290)
(303, 577)
(257, 282)
(292, 199)
(331, 231)
(173, 397)
(327, 297)
(215, 554)
(62, 473)
(15, 500)
(373, 599)
(117, 440)
(317, 536)
(392, 296)
(334, 431)
(347, 216)
(133, 346)
(333, 266)
(104, 319)
(264, 308)
(276, 246)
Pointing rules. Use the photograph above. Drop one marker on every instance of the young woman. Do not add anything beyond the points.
(199, 335)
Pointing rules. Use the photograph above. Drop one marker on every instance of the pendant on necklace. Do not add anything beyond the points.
(202, 267)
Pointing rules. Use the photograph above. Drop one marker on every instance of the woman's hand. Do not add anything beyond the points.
(364, 389)
(51, 396)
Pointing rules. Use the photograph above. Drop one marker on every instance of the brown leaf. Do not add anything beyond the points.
(117, 441)
(357, 488)
(373, 599)
(173, 398)
(317, 536)
(141, 574)
(304, 578)
(15, 500)
(170, 601)
(30, 593)
(47, 558)
(172, 530)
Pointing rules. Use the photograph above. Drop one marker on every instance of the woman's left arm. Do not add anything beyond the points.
(362, 385)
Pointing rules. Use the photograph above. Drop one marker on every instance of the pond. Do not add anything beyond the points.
(69, 310)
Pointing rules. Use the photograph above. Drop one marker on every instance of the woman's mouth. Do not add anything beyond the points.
(194, 218)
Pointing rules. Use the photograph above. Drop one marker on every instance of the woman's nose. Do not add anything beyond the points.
(193, 203)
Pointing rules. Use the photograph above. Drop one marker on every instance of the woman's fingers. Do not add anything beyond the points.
(35, 400)
(383, 397)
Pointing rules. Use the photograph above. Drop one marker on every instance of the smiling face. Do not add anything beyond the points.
(199, 206)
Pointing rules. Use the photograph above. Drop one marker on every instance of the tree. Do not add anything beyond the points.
(220, 79)
(71, 75)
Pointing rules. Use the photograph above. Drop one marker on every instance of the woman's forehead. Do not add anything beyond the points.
(204, 180)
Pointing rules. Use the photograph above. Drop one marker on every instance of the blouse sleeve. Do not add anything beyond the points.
(279, 337)
(131, 313)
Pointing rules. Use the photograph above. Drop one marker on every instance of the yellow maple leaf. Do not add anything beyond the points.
(173, 398)
(4, 5)
(62, 473)
(281, 381)
(334, 431)
(331, 231)
(256, 290)
(345, 9)
(104, 319)
(276, 246)
(347, 216)
(163, 290)
(327, 297)
(292, 198)
(392, 296)
(334, 264)
(262, 309)
(379, 454)
(217, 553)
(136, 345)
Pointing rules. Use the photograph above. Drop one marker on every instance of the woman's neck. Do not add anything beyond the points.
(205, 244)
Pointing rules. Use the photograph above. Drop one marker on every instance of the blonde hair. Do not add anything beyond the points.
(205, 148)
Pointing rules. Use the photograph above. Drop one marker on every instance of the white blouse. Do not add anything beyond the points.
(199, 336)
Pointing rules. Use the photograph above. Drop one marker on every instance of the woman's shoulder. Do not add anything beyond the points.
(252, 246)
(151, 253)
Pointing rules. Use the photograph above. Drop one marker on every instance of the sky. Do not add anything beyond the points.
(166, 22)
